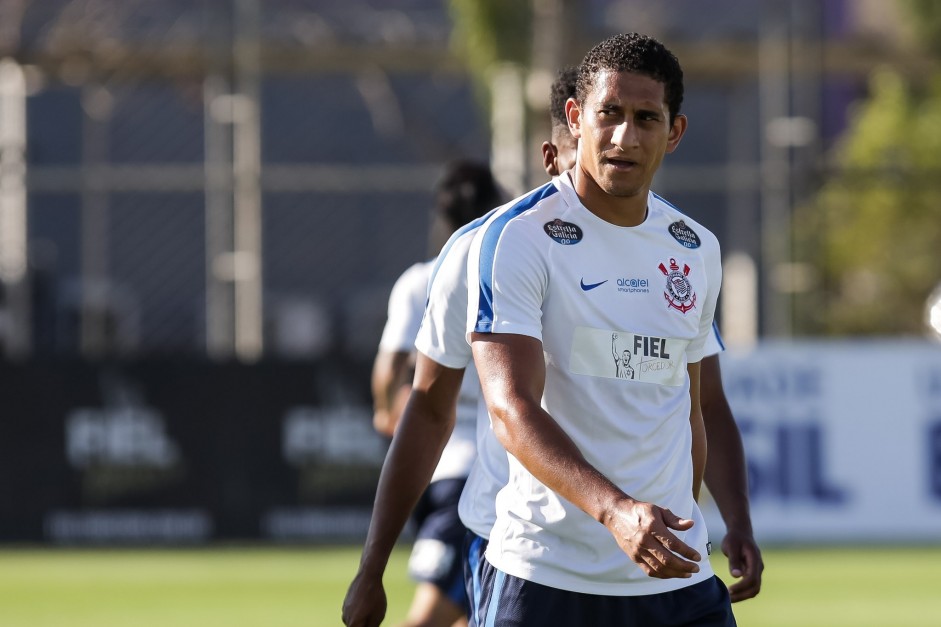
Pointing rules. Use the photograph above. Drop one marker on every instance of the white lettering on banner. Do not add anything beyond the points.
(343, 434)
(801, 383)
(629, 356)
(119, 436)
(129, 526)
(306, 523)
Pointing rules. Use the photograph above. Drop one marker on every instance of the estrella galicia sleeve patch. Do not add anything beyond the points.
(684, 235)
(563, 232)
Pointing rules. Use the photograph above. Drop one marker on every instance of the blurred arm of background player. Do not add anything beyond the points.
(394, 365)
(392, 373)
(726, 474)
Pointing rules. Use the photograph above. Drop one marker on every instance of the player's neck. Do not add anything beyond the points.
(618, 210)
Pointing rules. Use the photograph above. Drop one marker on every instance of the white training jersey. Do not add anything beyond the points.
(442, 338)
(620, 312)
(406, 304)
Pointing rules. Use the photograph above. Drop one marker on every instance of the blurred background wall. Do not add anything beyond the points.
(206, 202)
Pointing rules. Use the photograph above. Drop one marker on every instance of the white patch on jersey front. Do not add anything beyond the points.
(430, 559)
(627, 355)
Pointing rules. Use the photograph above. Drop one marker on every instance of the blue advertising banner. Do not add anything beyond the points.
(838, 435)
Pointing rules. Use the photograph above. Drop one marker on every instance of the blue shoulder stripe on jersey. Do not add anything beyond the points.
(667, 202)
(470, 226)
(715, 329)
(488, 248)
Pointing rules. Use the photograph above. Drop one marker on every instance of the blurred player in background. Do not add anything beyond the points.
(466, 191)
(558, 154)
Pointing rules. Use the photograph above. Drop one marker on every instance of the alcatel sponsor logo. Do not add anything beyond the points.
(633, 285)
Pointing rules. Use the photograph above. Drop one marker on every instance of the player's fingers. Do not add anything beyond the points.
(736, 560)
(659, 566)
(674, 544)
(669, 564)
(649, 564)
(675, 522)
(751, 567)
(746, 588)
(358, 613)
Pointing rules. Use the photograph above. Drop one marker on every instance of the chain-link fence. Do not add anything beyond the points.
(245, 178)
(225, 178)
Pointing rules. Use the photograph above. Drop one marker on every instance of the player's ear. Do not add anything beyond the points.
(676, 132)
(573, 114)
(549, 153)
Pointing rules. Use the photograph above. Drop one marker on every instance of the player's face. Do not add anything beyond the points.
(624, 131)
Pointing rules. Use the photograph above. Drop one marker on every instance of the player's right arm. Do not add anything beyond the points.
(512, 374)
(423, 431)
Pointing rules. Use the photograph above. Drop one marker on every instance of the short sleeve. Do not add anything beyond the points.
(441, 336)
(507, 280)
(406, 305)
(712, 265)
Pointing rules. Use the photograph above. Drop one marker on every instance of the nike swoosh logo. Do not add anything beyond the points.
(591, 286)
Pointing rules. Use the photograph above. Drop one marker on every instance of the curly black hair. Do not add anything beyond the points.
(466, 191)
(637, 53)
(563, 88)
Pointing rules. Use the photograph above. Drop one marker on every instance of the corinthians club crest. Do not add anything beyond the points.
(679, 293)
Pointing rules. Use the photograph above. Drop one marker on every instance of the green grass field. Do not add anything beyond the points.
(262, 587)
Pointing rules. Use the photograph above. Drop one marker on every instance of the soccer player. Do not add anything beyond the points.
(466, 191)
(443, 355)
(598, 523)
(726, 475)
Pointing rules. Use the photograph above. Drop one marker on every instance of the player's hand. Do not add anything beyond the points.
(365, 603)
(642, 530)
(745, 562)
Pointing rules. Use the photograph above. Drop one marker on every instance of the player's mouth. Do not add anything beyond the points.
(621, 164)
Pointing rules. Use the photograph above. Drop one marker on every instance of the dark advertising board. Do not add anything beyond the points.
(180, 452)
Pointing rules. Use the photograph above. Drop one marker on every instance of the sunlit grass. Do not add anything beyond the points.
(283, 587)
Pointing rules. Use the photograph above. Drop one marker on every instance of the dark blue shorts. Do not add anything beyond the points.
(437, 553)
(502, 600)
(474, 560)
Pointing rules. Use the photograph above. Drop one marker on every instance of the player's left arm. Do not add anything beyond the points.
(697, 428)
(727, 479)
